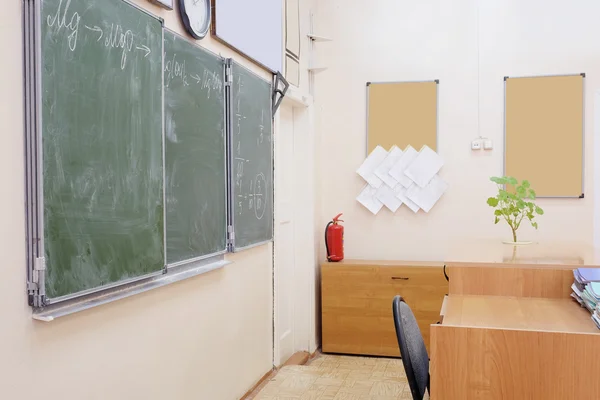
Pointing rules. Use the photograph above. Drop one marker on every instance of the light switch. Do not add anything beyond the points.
(488, 144)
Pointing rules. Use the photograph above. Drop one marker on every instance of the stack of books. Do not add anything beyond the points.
(586, 290)
(594, 291)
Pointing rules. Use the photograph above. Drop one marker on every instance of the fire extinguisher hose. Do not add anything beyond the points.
(326, 244)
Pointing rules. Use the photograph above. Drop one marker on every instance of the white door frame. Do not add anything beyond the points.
(596, 174)
(305, 252)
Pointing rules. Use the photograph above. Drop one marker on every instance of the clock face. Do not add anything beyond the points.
(196, 16)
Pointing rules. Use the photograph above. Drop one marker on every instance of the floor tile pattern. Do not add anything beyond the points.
(330, 377)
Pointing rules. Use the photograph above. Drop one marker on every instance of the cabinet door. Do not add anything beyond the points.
(422, 288)
(352, 322)
(357, 305)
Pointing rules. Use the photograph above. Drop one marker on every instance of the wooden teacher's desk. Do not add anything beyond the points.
(510, 330)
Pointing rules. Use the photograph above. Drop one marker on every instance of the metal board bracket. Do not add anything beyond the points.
(278, 94)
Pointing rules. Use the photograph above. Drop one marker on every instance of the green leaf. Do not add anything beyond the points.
(496, 220)
(539, 211)
(498, 212)
(492, 202)
(498, 180)
(534, 224)
(526, 184)
(511, 181)
(532, 194)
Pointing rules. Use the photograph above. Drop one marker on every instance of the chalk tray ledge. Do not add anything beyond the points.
(173, 275)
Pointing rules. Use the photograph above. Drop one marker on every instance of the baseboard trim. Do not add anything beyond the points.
(262, 380)
(299, 358)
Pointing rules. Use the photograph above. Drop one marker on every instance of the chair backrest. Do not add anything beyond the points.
(412, 348)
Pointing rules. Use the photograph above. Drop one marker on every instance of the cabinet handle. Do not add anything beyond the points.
(399, 278)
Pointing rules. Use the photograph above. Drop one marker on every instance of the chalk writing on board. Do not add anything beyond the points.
(261, 138)
(120, 39)
(239, 161)
(252, 191)
(117, 36)
(177, 70)
(260, 195)
(96, 29)
(60, 21)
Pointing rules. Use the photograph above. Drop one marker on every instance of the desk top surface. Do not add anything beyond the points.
(468, 253)
(555, 254)
(521, 313)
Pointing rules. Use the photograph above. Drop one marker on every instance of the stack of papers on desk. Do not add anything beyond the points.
(587, 275)
(590, 297)
(586, 290)
(592, 290)
(578, 287)
(596, 316)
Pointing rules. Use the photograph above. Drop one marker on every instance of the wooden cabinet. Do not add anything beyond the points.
(356, 303)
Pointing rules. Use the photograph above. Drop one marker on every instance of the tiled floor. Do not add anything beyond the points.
(339, 378)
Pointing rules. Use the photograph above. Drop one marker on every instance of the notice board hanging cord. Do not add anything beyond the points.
(276, 100)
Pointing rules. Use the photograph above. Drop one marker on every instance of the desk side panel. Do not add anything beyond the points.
(476, 363)
(507, 281)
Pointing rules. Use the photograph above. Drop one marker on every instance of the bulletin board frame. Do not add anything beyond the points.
(544, 118)
(376, 123)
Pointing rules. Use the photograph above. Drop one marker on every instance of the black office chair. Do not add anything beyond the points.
(412, 348)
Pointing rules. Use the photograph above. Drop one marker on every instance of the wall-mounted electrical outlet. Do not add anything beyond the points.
(476, 144)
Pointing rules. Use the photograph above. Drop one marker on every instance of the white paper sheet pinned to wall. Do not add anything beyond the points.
(429, 195)
(401, 194)
(424, 167)
(388, 197)
(382, 171)
(367, 198)
(368, 167)
(397, 171)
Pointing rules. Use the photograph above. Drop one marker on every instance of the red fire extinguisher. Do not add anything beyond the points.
(334, 239)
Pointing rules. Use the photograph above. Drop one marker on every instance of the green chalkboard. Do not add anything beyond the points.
(195, 151)
(102, 144)
(252, 158)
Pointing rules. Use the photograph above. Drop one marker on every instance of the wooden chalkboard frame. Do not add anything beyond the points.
(170, 266)
(231, 187)
(34, 177)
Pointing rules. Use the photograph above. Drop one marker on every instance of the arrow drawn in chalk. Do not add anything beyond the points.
(96, 29)
(145, 48)
(196, 78)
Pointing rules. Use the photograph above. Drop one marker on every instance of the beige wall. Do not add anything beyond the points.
(469, 51)
(209, 337)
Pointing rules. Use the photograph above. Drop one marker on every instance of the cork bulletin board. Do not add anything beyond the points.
(402, 114)
(544, 134)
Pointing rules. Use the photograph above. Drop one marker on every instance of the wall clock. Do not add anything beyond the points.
(195, 15)
(168, 4)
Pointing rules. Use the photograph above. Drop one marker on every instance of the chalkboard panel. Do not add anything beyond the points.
(252, 158)
(195, 151)
(102, 144)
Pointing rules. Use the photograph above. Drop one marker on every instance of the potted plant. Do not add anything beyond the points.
(513, 204)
